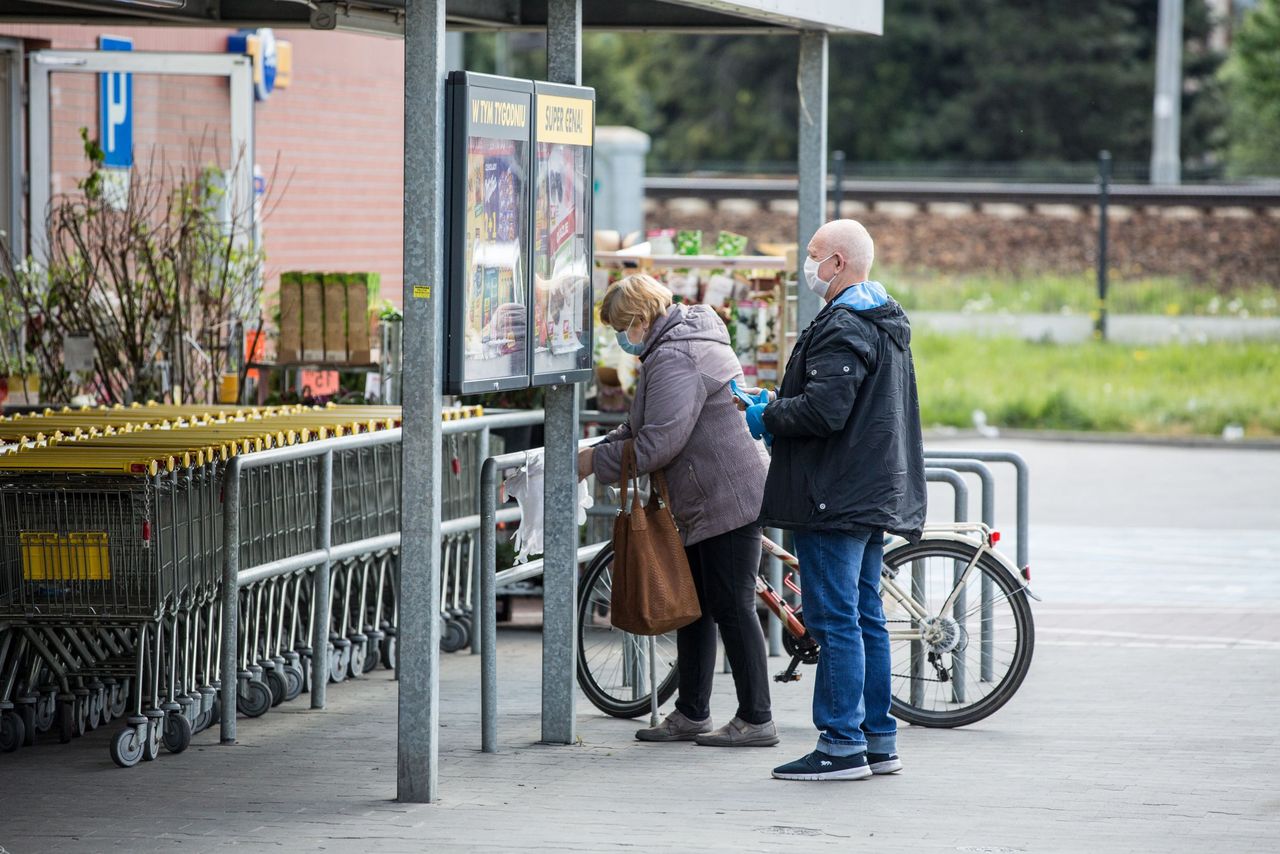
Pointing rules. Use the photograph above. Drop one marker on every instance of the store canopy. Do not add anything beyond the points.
(377, 16)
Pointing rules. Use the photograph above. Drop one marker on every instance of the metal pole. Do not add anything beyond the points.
(837, 158)
(560, 505)
(1023, 489)
(987, 615)
(1166, 163)
(960, 514)
(477, 559)
(488, 607)
(417, 745)
(653, 681)
(230, 597)
(1104, 194)
(775, 581)
(321, 608)
(812, 84)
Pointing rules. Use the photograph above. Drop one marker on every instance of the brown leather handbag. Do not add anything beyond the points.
(653, 590)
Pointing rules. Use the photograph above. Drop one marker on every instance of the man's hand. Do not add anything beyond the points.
(757, 395)
(586, 463)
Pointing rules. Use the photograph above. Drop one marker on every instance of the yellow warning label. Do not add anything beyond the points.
(422, 292)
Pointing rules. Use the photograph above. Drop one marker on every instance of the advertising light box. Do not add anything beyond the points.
(563, 134)
(488, 200)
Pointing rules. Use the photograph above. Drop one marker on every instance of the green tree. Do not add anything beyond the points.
(1252, 78)
(950, 80)
(1002, 81)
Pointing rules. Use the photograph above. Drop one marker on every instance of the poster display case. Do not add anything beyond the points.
(561, 298)
(488, 199)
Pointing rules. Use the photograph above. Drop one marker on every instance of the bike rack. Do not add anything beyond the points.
(1023, 489)
(490, 580)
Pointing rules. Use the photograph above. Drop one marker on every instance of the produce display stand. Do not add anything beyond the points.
(758, 310)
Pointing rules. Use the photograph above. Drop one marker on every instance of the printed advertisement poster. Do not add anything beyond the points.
(495, 310)
(562, 276)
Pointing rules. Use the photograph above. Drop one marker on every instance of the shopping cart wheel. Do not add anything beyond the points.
(126, 747)
(358, 656)
(453, 636)
(12, 731)
(46, 709)
(339, 659)
(119, 699)
(277, 684)
(92, 712)
(293, 679)
(97, 704)
(253, 700)
(177, 733)
(27, 712)
(151, 745)
(66, 719)
(389, 650)
(373, 656)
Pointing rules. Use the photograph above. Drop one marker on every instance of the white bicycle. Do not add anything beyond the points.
(957, 610)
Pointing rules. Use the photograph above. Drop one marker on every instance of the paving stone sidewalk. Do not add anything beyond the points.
(1107, 747)
(1148, 723)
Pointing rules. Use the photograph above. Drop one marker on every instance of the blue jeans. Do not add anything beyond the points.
(840, 577)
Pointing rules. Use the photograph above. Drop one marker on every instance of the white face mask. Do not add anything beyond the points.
(818, 286)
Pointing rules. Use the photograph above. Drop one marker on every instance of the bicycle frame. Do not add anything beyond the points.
(975, 534)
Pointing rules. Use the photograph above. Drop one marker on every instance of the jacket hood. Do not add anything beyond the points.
(870, 301)
(686, 323)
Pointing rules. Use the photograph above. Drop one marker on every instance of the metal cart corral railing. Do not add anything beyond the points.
(102, 607)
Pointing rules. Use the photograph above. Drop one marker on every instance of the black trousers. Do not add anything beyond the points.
(724, 573)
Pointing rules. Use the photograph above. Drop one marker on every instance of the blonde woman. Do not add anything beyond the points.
(685, 423)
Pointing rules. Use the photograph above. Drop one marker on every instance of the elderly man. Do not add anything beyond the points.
(848, 465)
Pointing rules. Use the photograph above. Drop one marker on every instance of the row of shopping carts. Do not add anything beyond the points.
(111, 556)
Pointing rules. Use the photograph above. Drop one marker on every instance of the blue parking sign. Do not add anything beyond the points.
(115, 109)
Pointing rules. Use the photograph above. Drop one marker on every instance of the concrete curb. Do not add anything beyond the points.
(1259, 444)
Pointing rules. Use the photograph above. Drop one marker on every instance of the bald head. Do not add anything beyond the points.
(853, 250)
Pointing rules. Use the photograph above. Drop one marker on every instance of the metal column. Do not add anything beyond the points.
(812, 83)
(560, 534)
(1166, 163)
(775, 580)
(417, 777)
(322, 608)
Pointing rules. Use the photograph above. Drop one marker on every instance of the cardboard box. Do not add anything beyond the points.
(358, 318)
(312, 317)
(289, 339)
(335, 318)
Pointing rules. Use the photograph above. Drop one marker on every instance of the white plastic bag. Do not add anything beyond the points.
(526, 486)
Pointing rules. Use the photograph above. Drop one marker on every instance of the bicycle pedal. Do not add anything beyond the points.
(784, 676)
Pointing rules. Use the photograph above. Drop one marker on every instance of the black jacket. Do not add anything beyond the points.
(848, 454)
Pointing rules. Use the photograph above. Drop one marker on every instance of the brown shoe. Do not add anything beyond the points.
(676, 727)
(739, 733)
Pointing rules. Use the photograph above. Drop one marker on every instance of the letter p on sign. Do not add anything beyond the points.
(115, 110)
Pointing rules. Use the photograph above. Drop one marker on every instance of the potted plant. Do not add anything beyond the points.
(161, 285)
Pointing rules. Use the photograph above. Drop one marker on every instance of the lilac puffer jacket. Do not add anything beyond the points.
(684, 422)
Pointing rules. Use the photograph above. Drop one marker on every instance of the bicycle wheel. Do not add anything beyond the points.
(613, 665)
(962, 665)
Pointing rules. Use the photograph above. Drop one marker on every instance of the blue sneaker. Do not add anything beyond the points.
(824, 766)
(884, 763)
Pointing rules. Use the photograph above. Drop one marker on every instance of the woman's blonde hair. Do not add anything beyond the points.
(637, 298)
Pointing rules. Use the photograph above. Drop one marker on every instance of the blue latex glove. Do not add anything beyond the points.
(740, 394)
(755, 421)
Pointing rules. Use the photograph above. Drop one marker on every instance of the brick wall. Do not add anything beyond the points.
(330, 145)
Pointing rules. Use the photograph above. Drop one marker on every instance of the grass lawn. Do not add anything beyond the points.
(1049, 293)
(1170, 389)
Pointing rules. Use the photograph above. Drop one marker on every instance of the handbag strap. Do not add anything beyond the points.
(630, 478)
(658, 482)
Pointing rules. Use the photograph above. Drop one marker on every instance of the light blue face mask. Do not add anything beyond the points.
(627, 346)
